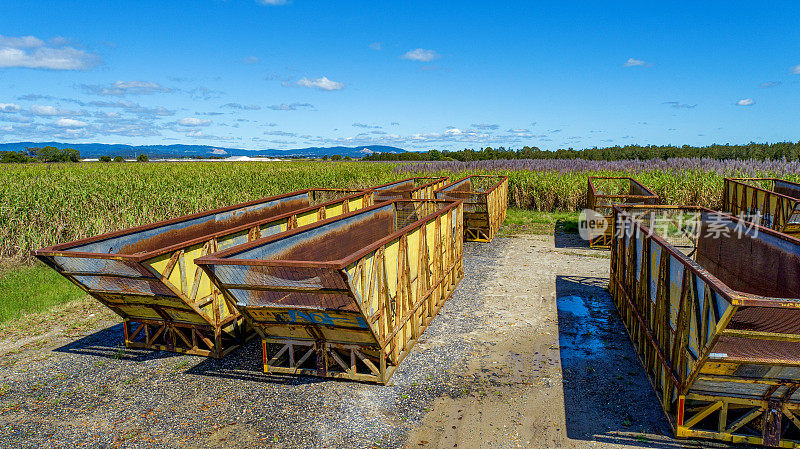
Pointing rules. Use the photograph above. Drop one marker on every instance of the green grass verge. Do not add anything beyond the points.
(521, 221)
(33, 289)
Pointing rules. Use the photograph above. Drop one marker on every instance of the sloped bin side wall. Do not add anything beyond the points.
(485, 204)
(777, 209)
(417, 188)
(147, 275)
(356, 317)
(623, 191)
(724, 363)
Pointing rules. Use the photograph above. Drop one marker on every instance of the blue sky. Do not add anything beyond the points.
(418, 75)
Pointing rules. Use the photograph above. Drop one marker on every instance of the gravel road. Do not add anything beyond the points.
(528, 352)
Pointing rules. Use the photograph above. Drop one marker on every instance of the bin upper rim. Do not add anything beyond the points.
(221, 258)
(735, 297)
(436, 180)
(743, 181)
(485, 192)
(63, 249)
(652, 195)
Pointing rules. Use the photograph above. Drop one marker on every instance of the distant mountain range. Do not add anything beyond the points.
(95, 150)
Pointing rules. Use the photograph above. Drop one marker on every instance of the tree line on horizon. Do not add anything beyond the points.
(44, 154)
(52, 154)
(762, 151)
(789, 151)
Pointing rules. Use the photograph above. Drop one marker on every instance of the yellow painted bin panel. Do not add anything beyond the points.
(149, 277)
(411, 188)
(346, 297)
(712, 305)
(485, 203)
(770, 202)
(604, 192)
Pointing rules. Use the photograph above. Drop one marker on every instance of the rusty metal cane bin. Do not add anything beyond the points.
(148, 276)
(349, 296)
(769, 202)
(485, 202)
(712, 306)
(417, 188)
(605, 192)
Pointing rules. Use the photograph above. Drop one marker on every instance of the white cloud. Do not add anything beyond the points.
(745, 102)
(420, 54)
(291, 107)
(634, 63)
(122, 88)
(321, 83)
(70, 123)
(38, 109)
(202, 92)
(375, 46)
(201, 135)
(50, 111)
(485, 126)
(21, 42)
(16, 119)
(280, 133)
(273, 2)
(192, 121)
(252, 107)
(769, 84)
(33, 53)
(133, 108)
(795, 70)
(9, 107)
(679, 105)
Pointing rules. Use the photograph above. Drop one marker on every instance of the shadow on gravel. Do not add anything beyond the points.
(606, 394)
(562, 239)
(245, 364)
(109, 343)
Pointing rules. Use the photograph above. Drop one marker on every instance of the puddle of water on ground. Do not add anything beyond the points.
(581, 330)
(574, 305)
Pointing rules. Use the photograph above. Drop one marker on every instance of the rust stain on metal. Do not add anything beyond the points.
(462, 191)
(613, 191)
(212, 226)
(343, 241)
(310, 300)
(758, 351)
(788, 188)
(782, 321)
(347, 297)
(750, 264)
(717, 327)
(485, 202)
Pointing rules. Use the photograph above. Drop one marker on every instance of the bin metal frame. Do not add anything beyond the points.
(147, 274)
(776, 207)
(416, 188)
(347, 297)
(715, 321)
(484, 207)
(602, 203)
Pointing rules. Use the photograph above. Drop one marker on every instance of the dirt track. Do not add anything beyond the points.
(529, 352)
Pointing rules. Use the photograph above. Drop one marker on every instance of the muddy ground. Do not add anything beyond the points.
(529, 352)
